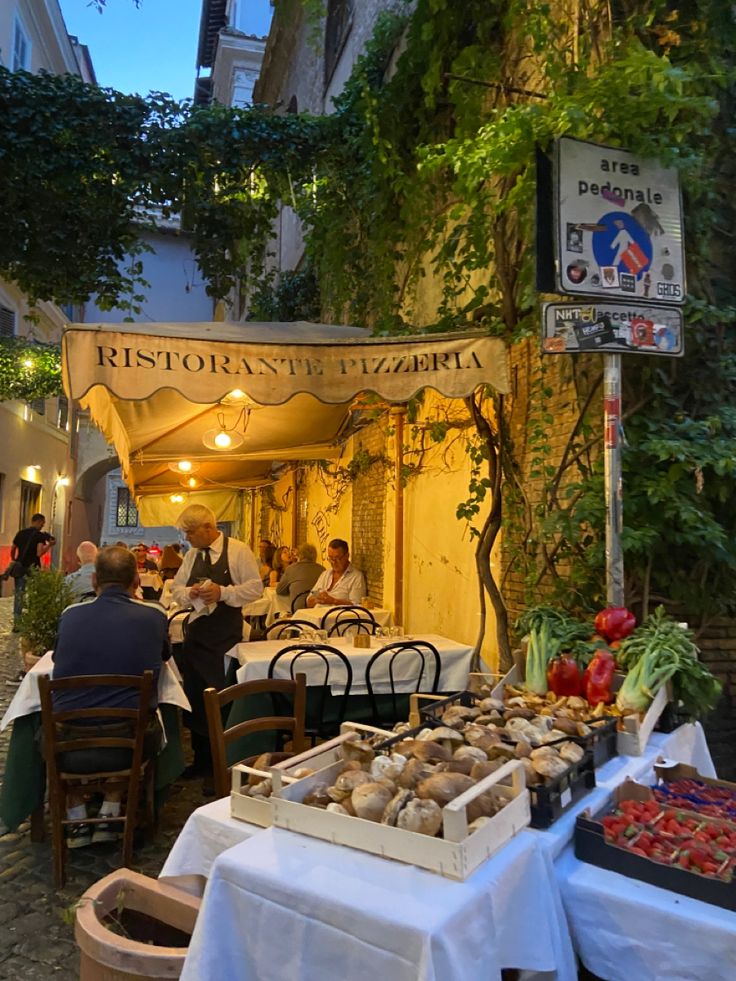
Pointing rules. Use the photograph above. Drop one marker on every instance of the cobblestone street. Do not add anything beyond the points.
(35, 941)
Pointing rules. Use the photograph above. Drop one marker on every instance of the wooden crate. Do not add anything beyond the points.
(454, 856)
(257, 810)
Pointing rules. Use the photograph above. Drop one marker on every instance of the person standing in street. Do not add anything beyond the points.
(219, 575)
(28, 546)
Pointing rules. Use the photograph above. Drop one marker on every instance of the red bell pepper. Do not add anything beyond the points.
(615, 623)
(598, 677)
(563, 676)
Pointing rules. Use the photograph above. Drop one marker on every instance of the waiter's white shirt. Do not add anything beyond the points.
(350, 585)
(246, 579)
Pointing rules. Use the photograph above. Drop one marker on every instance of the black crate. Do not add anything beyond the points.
(592, 847)
(550, 800)
(671, 718)
(602, 740)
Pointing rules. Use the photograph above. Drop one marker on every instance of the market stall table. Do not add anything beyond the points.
(208, 832)
(24, 782)
(281, 906)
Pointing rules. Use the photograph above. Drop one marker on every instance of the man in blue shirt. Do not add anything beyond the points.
(112, 634)
(81, 581)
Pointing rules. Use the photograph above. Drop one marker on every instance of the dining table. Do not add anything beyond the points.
(23, 786)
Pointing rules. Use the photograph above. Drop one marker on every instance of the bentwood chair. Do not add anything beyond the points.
(419, 664)
(318, 725)
(287, 629)
(342, 621)
(282, 692)
(64, 733)
(300, 600)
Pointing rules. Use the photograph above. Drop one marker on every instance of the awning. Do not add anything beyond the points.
(155, 390)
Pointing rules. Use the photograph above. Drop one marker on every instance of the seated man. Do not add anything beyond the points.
(342, 584)
(81, 581)
(300, 576)
(113, 634)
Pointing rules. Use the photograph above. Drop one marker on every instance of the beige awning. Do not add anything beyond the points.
(156, 389)
(155, 511)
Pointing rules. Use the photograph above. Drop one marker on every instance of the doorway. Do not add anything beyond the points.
(30, 502)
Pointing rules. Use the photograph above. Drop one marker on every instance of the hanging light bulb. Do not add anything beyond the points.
(177, 498)
(227, 438)
(191, 483)
(184, 467)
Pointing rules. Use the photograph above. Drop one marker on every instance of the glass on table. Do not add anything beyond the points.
(397, 631)
(321, 636)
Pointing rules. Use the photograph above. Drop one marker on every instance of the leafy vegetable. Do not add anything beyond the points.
(542, 648)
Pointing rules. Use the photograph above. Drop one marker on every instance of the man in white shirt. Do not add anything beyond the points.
(220, 571)
(342, 584)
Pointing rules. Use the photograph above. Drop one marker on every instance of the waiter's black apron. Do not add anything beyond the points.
(207, 640)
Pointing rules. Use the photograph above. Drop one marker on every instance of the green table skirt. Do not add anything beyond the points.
(24, 783)
(259, 706)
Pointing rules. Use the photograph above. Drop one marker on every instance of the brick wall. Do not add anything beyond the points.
(556, 413)
(369, 511)
(717, 644)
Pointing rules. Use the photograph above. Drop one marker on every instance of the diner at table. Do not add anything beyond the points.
(299, 578)
(341, 584)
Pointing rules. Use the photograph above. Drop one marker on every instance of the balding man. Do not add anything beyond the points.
(81, 580)
(222, 573)
(113, 634)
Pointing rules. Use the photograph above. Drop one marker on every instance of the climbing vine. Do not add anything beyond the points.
(417, 199)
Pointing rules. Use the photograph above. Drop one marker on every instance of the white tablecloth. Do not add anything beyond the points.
(315, 615)
(455, 658)
(624, 929)
(28, 700)
(209, 832)
(282, 906)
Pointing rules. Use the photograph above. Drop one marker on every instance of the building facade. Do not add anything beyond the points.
(37, 463)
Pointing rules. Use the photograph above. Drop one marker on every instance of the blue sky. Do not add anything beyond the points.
(150, 48)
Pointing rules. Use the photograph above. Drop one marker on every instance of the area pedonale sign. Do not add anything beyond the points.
(618, 225)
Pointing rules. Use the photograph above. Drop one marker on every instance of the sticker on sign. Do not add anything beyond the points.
(617, 328)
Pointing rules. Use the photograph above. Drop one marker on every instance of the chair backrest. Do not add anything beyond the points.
(285, 628)
(220, 737)
(316, 723)
(180, 613)
(343, 620)
(300, 600)
(421, 653)
(127, 729)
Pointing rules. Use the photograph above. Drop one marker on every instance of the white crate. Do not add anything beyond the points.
(258, 810)
(454, 856)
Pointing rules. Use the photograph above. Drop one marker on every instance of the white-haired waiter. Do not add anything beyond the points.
(221, 571)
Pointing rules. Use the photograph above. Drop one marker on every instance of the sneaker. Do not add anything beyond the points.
(106, 832)
(78, 835)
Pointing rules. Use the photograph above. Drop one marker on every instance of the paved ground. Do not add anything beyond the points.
(35, 941)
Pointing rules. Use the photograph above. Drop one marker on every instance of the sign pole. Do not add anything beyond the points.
(614, 492)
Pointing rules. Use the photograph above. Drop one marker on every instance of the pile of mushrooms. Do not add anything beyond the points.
(259, 783)
(409, 787)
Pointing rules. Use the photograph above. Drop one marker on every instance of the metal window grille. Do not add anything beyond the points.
(38, 406)
(126, 513)
(7, 322)
(62, 415)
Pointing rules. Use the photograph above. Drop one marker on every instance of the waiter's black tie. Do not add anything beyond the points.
(207, 559)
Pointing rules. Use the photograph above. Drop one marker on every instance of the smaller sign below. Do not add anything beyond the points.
(615, 328)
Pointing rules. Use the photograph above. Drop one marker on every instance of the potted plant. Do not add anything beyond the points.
(46, 595)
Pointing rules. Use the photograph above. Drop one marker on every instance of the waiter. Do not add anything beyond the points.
(218, 576)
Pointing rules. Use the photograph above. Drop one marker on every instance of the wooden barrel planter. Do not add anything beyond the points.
(130, 927)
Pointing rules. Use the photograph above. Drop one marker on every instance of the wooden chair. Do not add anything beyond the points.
(341, 621)
(56, 742)
(316, 726)
(427, 659)
(220, 737)
(288, 628)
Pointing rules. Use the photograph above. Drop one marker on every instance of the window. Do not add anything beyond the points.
(38, 406)
(126, 513)
(339, 21)
(30, 502)
(62, 413)
(7, 322)
(21, 48)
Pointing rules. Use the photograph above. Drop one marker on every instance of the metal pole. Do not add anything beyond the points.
(614, 493)
(397, 415)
